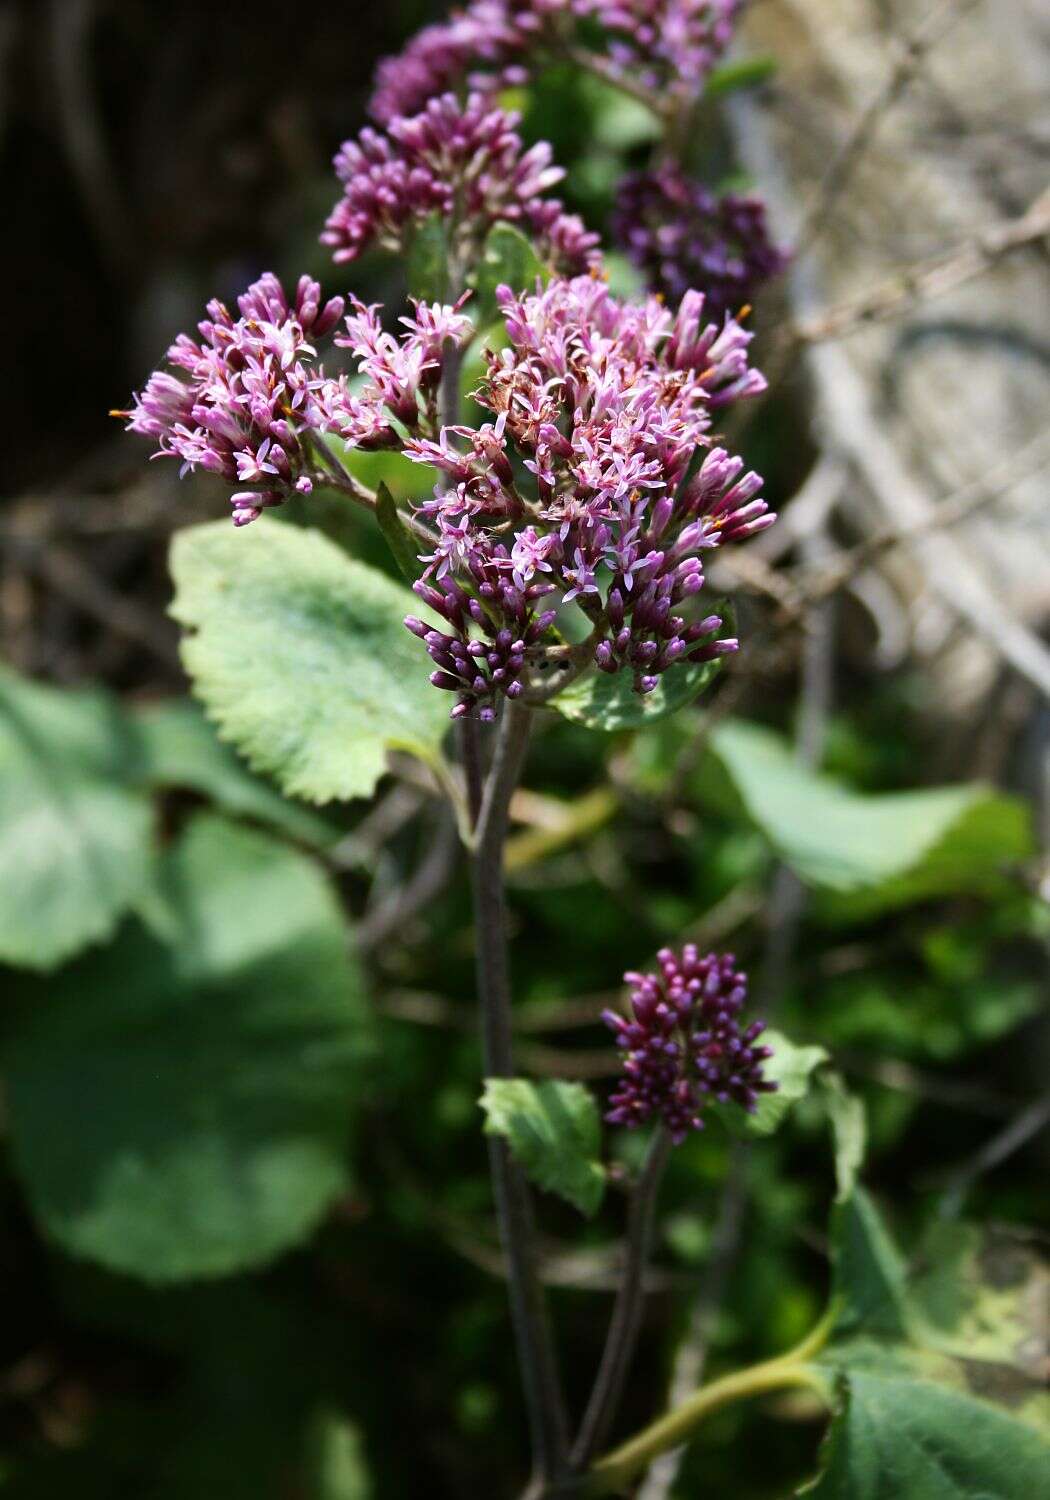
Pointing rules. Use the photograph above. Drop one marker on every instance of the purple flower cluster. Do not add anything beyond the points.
(490, 37)
(681, 235)
(665, 45)
(254, 399)
(598, 483)
(683, 1045)
(670, 46)
(249, 403)
(464, 161)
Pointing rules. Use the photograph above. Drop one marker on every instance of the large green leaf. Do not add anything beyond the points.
(978, 1290)
(881, 850)
(553, 1131)
(898, 1438)
(179, 748)
(936, 1397)
(601, 701)
(183, 1108)
(74, 833)
(299, 654)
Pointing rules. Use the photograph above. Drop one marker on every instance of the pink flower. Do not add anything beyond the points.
(463, 161)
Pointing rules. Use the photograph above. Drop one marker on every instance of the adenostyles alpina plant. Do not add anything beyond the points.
(561, 549)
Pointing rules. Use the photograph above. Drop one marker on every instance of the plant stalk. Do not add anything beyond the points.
(626, 1321)
(541, 1380)
(613, 1473)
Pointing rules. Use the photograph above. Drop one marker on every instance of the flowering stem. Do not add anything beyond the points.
(470, 750)
(613, 1473)
(535, 1344)
(340, 477)
(627, 1314)
(598, 67)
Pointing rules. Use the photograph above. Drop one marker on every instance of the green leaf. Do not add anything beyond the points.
(743, 73)
(553, 1131)
(75, 835)
(299, 654)
(600, 701)
(941, 1391)
(179, 748)
(402, 547)
(620, 122)
(848, 1122)
(427, 265)
(508, 259)
(879, 851)
(183, 1109)
(974, 1290)
(907, 1439)
(792, 1068)
(869, 1272)
(336, 1467)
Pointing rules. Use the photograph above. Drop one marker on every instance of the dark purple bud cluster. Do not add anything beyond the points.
(683, 1044)
(681, 235)
(501, 617)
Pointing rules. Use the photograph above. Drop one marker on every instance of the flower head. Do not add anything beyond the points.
(682, 1043)
(246, 398)
(598, 484)
(682, 236)
(668, 46)
(487, 36)
(464, 161)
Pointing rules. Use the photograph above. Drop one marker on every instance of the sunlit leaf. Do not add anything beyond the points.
(876, 850)
(897, 1438)
(916, 1419)
(600, 701)
(335, 1460)
(553, 1131)
(299, 654)
(848, 1130)
(75, 833)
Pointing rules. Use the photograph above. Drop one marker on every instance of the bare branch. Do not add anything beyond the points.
(912, 52)
(929, 278)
